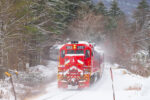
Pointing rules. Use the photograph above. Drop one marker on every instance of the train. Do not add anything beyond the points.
(80, 65)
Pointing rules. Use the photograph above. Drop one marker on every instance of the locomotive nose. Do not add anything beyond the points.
(74, 60)
(74, 81)
(79, 59)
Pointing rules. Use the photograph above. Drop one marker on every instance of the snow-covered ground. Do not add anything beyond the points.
(29, 82)
(127, 87)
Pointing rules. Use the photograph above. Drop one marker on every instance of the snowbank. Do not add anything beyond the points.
(27, 81)
(5, 90)
(127, 86)
(141, 57)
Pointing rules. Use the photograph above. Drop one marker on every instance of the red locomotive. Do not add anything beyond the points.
(80, 65)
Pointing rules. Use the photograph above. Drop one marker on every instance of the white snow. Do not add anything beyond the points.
(71, 68)
(58, 46)
(127, 87)
(80, 42)
(66, 62)
(74, 54)
(99, 50)
(123, 80)
(142, 57)
(5, 90)
(34, 75)
(81, 62)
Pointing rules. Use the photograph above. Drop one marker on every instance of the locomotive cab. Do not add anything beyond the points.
(75, 65)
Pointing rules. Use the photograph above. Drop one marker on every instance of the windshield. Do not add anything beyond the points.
(87, 53)
(75, 51)
(79, 51)
(70, 51)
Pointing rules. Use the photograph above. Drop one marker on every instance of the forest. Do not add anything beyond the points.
(29, 28)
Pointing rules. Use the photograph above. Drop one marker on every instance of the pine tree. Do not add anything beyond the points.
(115, 10)
(141, 13)
(143, 5)
(13, 37)
(65, 11)
(101, 9)
(114, 15)
(72, 6)
(85, 7)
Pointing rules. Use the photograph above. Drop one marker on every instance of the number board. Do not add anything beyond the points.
(80, 47)
(69, 47)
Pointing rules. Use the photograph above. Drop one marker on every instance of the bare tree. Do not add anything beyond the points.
(90, 28)
(13, 41)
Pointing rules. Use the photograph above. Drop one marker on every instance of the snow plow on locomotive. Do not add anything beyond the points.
(79, 65)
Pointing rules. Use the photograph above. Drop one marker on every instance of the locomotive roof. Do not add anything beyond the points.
(80, 42)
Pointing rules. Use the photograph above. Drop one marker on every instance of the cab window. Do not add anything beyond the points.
(87, 53)
(92, 53)
(79, 51)
(70, 51)
(63, 53)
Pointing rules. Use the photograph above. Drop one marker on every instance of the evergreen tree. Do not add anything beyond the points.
(18, 18)
(85, 7)
(28, 24)
(115, 10)
(64, 11)
(101, 9)
(141, 12)
(114, 15)
(143, 5)
(72, 6)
